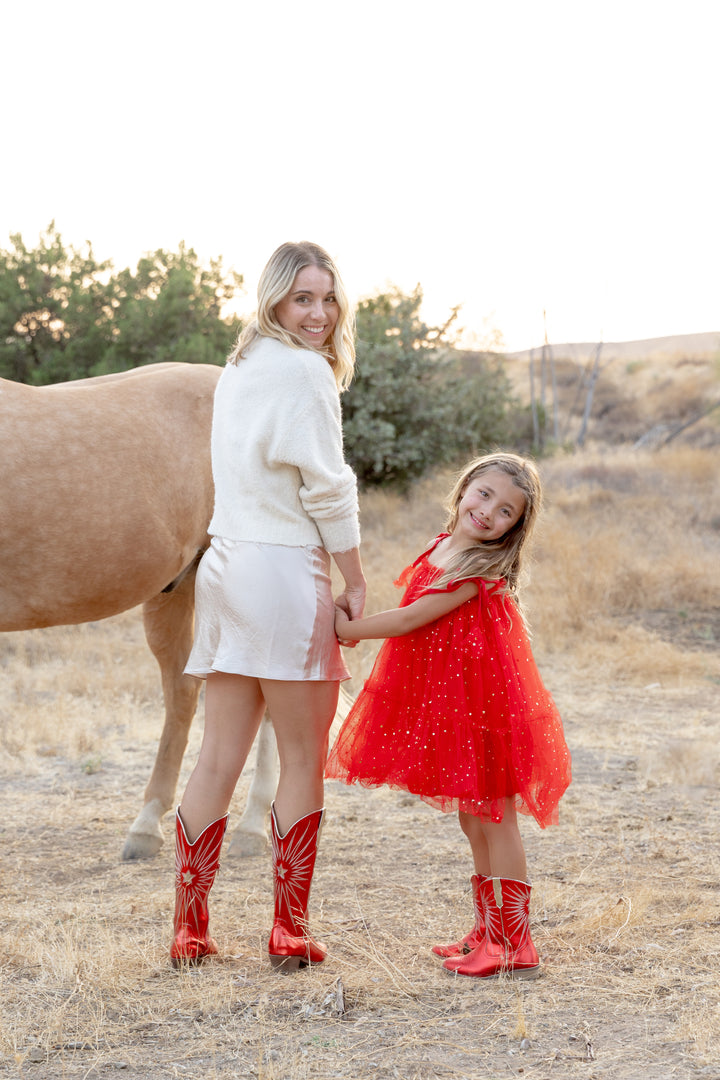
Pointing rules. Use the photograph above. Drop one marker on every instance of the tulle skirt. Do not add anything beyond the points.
(456, 712)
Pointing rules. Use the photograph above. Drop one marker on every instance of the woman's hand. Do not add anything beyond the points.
(348, 606)
(342, 621)
(352, 599)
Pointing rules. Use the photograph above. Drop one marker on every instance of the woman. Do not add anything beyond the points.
(284, 499)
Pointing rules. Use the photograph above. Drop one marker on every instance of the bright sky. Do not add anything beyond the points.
(511, 156)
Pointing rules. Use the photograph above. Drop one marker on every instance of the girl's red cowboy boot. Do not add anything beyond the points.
(507, 947)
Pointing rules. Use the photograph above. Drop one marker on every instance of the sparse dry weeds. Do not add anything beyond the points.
(626, 904)
(641, 395)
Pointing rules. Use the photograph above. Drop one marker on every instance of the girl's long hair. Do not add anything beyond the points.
(502, 558)
(275, 283)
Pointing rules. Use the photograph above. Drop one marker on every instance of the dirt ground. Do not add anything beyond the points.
(626, 889)
(625, 915)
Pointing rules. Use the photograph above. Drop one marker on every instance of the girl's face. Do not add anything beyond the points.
(310, 310)
(490, 505)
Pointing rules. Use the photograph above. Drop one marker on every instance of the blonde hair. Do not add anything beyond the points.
(275, 283)
(502, 558)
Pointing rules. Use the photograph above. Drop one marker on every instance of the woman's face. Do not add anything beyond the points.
(310, 310)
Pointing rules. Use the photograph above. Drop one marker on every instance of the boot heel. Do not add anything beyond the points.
(286, 964)
(180, 962)
(524, 973)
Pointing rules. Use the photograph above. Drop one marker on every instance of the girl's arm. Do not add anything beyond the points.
(399, 621)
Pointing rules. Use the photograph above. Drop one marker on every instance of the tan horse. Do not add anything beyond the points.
(105, 497)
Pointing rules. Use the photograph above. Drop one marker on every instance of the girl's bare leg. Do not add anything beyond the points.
(472, 827)
(302, 714)
(234, 707)
(497, 846)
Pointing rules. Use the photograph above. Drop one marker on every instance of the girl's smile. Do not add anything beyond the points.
(480, 524)
(310, 310)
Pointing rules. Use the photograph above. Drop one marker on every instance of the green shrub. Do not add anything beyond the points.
(416, 401)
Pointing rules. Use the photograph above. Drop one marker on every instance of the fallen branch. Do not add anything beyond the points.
(654, 435)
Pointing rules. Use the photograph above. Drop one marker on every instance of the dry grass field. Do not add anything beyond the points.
(624, 601)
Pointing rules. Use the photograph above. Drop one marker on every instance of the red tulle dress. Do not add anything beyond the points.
(456, 712)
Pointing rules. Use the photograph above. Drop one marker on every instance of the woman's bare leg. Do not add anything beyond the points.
(302, 714)
(234, 707)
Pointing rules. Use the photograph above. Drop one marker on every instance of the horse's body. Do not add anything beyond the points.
(105, 498)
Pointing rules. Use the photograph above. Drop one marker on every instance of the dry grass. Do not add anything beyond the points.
(626, 902)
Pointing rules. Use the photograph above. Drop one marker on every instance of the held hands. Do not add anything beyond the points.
(342, 621)
(352, 600)
(350, 604)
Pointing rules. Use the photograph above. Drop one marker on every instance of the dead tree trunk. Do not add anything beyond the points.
(592, 380)
(533, 401)
(548, 366)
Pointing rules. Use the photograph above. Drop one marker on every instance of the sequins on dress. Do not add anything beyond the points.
(456, 712)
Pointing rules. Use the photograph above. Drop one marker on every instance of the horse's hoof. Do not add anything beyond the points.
(244, 845)
(141, 846)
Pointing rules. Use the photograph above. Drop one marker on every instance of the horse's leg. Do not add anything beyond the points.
(250, 837)
(168, 620)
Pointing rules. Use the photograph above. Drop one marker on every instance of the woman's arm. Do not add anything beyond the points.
(399, 621)
(311, 440)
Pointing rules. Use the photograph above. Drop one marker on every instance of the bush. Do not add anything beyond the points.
(414, 403)
(63, 315)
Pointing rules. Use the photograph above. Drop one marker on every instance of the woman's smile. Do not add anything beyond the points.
(310, 310)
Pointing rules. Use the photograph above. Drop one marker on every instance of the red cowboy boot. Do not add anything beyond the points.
(290, 946)
(507, 947)
(473, 939)
(195, 868)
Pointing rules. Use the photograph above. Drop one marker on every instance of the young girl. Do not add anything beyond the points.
(455, 710)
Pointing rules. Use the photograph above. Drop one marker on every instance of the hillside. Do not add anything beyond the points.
(675, 347)
(640, 392)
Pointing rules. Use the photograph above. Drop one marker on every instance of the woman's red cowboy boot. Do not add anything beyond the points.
(290, 946)
(195, 868)
(507, 947)
(473, 939)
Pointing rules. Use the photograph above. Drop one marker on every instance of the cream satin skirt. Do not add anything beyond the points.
(265, 610)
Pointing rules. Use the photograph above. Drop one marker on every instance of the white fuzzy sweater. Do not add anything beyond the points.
(277, 456)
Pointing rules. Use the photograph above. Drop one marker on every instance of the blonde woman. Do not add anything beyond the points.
(285, 503)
